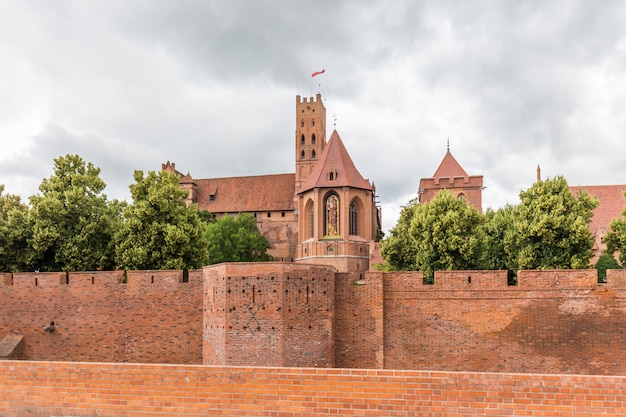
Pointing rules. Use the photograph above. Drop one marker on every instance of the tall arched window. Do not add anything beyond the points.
(313, 139)
(302, 155)
(354, 218)
(313, 154)
(331, 214)
(311, 220)
(302, 141)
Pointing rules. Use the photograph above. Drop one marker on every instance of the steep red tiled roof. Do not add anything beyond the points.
(246, 194)
(612, 202)
(335, 159)
(449, 168)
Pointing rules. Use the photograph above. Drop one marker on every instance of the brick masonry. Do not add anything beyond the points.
(138, 390)
(285, 314)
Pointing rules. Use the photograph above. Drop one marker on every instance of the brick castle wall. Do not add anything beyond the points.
(284, 314)
(154, 317)
(122, 390)
(551, 322)
(269, 314)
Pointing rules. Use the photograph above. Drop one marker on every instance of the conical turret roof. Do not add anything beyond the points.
(335, 169)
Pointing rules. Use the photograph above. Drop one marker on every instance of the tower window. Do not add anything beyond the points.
(302, 123)
(302, 155)
(354, 217)
(313, 139)
(302, 141)
(313, 154)
(313, 123)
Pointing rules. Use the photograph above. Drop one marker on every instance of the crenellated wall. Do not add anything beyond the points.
(149, 316)
(285, 314)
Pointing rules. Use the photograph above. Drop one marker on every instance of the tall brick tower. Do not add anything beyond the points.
(310, 135)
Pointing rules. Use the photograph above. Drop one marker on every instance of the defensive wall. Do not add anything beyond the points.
(140, 316)
(33, 389)
(285, 314)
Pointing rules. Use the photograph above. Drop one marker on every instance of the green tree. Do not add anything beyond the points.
(72, 222)
(550, 228)
(606, 261)
(398, 249)
(236, 239)
(15, 233)
(497, 224)
(615, 239)
(448, 234)
(159, 231)
(443, 234)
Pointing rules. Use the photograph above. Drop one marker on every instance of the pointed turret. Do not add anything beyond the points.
(335, 169)
(450, 175)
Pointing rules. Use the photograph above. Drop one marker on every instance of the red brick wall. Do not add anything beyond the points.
(272, 314)
(99, 318)
(551, 322)
(129, 390)
(359, 320)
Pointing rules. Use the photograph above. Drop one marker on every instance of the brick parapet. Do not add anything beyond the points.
(117, 390)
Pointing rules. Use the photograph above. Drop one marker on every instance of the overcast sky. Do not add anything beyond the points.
(211, 86)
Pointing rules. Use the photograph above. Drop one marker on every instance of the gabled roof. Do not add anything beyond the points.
(336, 160)
(246, 194)
(449, 168)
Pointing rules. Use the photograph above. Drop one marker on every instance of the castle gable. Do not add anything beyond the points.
(335, 169)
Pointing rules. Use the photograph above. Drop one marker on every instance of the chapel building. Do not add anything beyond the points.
(324, 214)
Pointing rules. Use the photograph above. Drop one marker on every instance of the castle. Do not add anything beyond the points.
(322, 335)
(325, 213)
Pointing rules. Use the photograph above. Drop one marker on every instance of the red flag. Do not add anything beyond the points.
(317, 73)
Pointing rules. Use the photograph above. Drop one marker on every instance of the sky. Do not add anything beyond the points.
(211, 85)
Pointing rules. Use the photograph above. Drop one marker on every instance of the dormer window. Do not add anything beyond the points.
(332, 175)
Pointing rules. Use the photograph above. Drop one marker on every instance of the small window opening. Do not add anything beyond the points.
(331, 176)
(302, 155)
(313, 154)
(92, 280)
(269, 214)
(255, 215)
(313, 139)
(302, 123)
(302, 141)
(152, 279)
(185, 275)
(469, 279)
(313, 123)
(212, 197)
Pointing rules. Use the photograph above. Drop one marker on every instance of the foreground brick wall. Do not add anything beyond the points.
(132, 390)
(154, 317)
